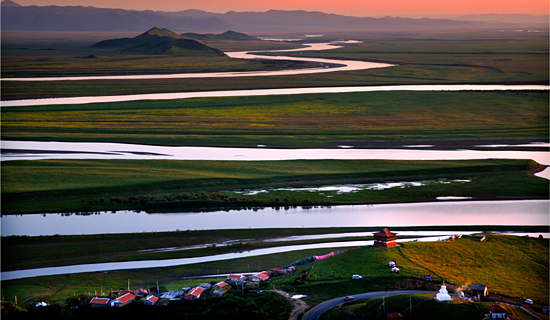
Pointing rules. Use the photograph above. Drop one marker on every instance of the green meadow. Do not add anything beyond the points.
(292, 121)
(511, 266)
(40, 186)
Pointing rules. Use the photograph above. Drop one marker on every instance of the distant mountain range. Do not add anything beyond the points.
(78, 18)
(160, 41)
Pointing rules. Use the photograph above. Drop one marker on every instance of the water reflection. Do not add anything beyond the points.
(264, 92)
(448, 213)
(38, 150)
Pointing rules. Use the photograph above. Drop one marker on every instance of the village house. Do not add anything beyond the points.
(151, 300)
(123, 300)
(99, 302)
(237, 278)
(220, 288)
(260, 276)
(496, 312)
(141, 292)
(194, 294)
(478, 289)
(385, 238)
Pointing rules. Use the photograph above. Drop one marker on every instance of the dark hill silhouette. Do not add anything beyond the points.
(228, 35)
(160, 41)
(9, 3)
(232, 35)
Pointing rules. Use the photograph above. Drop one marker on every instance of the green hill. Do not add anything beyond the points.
(197, 36)
(160, 41)
(513, 266)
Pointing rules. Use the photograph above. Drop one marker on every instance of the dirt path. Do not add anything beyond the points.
(299, 305)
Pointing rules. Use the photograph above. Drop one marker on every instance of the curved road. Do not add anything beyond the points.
(315, 312)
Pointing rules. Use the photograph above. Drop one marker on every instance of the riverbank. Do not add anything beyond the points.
(24, 252)
(162, 185)
(451, 119)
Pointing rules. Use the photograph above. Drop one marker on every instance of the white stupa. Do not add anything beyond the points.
(443, 294)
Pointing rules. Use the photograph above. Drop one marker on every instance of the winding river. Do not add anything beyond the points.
(525, 212)
(327, 65)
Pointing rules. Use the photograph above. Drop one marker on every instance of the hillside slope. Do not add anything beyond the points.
(160, 41)
(512, 266)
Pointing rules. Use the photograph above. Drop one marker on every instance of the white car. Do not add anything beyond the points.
(528, 301)
(356, 276)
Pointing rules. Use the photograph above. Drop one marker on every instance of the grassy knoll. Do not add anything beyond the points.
(484, 57)
(92, 185)
(297, 121)
(42, 54)
(515, 266)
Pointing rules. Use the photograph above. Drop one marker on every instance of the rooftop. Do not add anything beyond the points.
(100, 300)
(125, 298)
(385, 233)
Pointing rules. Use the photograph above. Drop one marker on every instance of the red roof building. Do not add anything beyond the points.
(99, 302)
(497, 312)
(220, 288)
(141, 292)
(261, 276)
(237, 278)
(151, 300)
(124, 300)
(385, 238)
(195, 293)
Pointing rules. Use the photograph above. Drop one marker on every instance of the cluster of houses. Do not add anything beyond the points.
(124, 297)
(242, 282)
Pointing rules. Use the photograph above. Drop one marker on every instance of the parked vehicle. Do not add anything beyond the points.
(356, 276)
(348, 298)
(528, 301)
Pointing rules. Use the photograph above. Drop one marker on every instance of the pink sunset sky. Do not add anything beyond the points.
(359, 8)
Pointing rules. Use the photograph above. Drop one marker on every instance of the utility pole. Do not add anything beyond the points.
(411, 305)
(384, 304)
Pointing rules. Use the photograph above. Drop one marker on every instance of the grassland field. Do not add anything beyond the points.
(98, 185)
(293, 121)
(427, 58)
(516, 267)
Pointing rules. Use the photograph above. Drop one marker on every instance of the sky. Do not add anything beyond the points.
(359, 8)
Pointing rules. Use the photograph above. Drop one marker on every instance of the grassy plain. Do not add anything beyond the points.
(93, 185)
(292, 121)
(423, 58)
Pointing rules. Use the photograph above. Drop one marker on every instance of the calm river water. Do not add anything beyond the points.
(445, 213)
